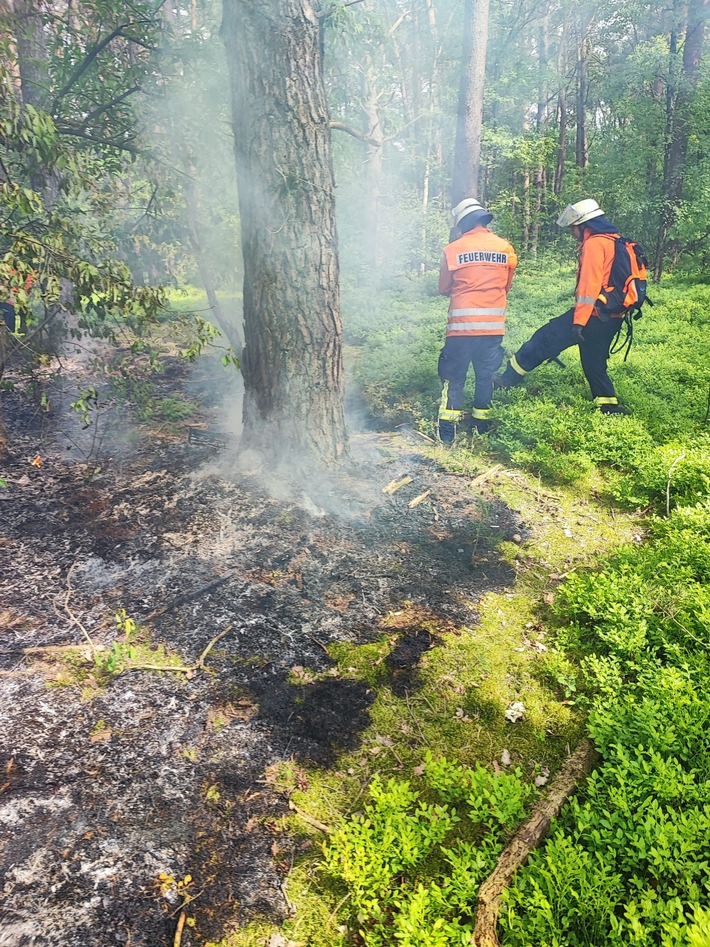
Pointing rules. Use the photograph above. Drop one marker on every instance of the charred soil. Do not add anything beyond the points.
(125, 793)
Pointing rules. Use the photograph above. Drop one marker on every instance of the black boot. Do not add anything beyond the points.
(447, 432)
(613, 409)
(508, 379)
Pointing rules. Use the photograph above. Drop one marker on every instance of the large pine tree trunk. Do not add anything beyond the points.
(467, 156)
(292, 365)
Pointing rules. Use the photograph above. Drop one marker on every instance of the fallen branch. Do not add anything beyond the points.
(309, 820)
(72, 616)
(188, 596)
(486, 475)
(52, 649)
(199, 665)
(180, 926)
(395, 485)
(420, 499)
(525, 840)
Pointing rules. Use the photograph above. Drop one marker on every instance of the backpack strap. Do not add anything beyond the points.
(618, 343)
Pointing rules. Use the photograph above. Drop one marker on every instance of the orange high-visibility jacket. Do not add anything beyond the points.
(11, 299)
(476, 272)
(593, 273)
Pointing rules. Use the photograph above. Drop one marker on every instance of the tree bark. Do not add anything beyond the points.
(469, 126)
(582, 149)
(31, 49)
(682, 81)
(293, 369)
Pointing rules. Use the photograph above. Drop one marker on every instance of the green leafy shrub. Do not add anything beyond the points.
(633, 843)
(676, 472)
(544, 437)
(413, 860)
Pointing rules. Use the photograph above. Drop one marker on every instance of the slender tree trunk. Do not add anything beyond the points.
(526, 209)
(542, 99)
(293, 369)
(228, 328)
(561, 143)
(683, 74)
(4, 350)
(561, 119)
(31, 51)
(469, 127)
(372, 130)
(539, 182)
(432, 157)
(582, 145)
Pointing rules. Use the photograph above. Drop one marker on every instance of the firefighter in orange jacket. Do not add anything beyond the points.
(583, 325)
(476, 273)
(8, 306)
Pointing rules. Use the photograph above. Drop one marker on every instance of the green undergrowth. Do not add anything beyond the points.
(628, 862)
(96, 665)
(549, 425)
(352, 884)
(605, 632)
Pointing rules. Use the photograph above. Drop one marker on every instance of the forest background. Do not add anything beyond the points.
(118, 193)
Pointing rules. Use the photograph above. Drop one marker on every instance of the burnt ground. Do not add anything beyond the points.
(113, 789)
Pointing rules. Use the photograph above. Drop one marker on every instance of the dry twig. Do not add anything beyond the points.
(309, 820)
(180, 926)
(72, 616)
(394, 485)
(189, 596)
(199, 665)
(420, 499)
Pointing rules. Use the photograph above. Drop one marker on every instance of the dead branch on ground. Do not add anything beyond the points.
(72, 616)
(199, 665)
(179, 929)
(308, 819)
(189, 596)
(526, 839)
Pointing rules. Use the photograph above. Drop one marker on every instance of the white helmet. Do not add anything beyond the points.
(469, 205)
(579, 213)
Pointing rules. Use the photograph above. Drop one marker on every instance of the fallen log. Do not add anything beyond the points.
(526, 839)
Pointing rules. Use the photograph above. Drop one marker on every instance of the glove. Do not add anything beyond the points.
(578, 334)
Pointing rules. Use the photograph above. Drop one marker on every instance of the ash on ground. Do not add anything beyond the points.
(122, 794)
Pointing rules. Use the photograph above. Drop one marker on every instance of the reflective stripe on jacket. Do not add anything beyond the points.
(476, 273)
(593, 273)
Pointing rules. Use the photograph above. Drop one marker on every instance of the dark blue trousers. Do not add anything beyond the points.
(556, 336)
(7, 313)
(485, 353)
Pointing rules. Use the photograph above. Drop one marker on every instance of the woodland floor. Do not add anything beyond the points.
(107, 797)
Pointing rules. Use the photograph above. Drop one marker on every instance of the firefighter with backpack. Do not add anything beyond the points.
(611, 288)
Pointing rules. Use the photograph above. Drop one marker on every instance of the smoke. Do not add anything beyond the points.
(386, 230)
